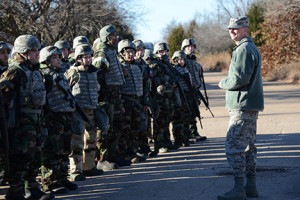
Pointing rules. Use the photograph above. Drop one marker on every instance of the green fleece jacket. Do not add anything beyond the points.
(243, 85)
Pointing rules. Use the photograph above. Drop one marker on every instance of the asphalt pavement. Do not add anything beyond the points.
(200, 171)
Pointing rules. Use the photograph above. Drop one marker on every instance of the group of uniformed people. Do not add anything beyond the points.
(71, 115)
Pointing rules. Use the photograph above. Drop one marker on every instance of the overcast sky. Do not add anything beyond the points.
(159, 13)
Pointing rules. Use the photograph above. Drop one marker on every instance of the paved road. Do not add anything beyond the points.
(201, 172)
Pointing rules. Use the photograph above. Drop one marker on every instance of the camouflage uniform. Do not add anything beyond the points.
(183, 115)
(111, 79)
(58, 116)
(131, 92)
(84, 86)
(5, 50)
(61, 44)
(244, 99)
(163, 94)
(196, 72)
(25, 119)
(145, 121)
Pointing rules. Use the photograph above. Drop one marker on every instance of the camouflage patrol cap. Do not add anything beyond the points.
(126, 44)
(238, 22)
(80, 40)
(187, 42)
(25, 43)
(139, 44)
(47, 52)
(106, 31)
(62, 44)
(83, 49)
(3, 45)
(160, 47)
(178, 54)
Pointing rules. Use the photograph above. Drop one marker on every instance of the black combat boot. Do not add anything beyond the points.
(250, 187)
(37, 194)
(119, 161)
(237, 193)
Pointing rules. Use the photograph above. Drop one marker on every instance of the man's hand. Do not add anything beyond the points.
(220, 85)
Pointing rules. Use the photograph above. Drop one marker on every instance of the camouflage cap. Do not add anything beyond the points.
(238, 22)
(3, 45)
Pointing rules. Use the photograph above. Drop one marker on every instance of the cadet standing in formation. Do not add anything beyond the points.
(55, 100)
(58, 115)
(131, 92)
(188, 46)
(4, 56)
(24, 89)
(111, 81)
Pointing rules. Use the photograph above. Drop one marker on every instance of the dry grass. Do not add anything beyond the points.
(286, 72)
(215, 62)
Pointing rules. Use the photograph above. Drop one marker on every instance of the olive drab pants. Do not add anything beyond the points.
(83, 145)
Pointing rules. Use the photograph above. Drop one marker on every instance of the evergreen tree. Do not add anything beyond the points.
(175, 39)
(255, 15)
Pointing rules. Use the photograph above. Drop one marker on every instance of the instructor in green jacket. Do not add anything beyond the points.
(244, 99)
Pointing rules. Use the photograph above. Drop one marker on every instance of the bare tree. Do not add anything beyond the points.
(52, 20)
(234, 8)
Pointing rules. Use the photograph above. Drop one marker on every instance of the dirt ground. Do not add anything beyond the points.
(201, 172)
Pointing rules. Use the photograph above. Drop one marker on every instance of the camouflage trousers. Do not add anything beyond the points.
(161, 133)
(107, 146)
(128, 139)
(181, 121)
(83, 143)
(239, 147)
(144, 132)
(56, 149)
(25, 153)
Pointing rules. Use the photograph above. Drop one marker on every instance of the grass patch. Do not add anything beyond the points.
(215, 62)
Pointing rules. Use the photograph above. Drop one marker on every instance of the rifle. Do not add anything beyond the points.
(152, 113)
(74, 104)
(168, 68)
(205, 103)
(194, 100)
(4, 129)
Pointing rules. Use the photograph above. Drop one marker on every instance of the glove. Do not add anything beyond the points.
(161, 90)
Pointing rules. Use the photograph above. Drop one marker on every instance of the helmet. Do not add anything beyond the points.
(96, 41)
(179, 54)
(126, 44)
(139, 44)
(160, 46)
(148, 54)
(106, 31)
(25, 43)
(83, 49)
(47, 52)
(62, 44)
(3, 45)
(187, 42)
(80, 40)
